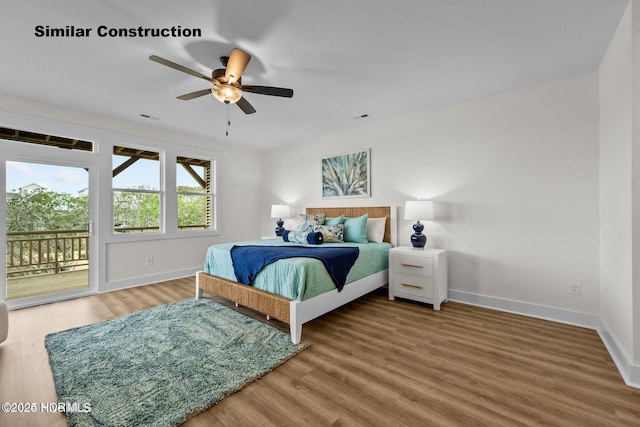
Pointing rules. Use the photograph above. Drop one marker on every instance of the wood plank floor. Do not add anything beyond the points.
(373, 362)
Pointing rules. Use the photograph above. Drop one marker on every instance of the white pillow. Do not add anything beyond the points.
(375, 229)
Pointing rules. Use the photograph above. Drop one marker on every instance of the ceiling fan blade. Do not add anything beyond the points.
(196, 94)
(269, 90)
(245, 106)
(235, 66)
(179, 67)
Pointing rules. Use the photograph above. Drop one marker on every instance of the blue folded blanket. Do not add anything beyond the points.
(249, 260)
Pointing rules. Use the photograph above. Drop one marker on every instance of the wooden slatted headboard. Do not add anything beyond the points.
(352, 212)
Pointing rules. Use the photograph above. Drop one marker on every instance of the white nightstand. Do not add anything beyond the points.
(418, 274)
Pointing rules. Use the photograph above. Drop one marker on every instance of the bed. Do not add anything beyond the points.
(297, 311)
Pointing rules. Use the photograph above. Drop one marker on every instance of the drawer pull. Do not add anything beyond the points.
(411, 265)
(409, 285)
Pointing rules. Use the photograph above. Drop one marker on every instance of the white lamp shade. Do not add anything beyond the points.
(280, 211)
(418, 209)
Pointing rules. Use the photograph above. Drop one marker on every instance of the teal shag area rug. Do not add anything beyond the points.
(161, 366)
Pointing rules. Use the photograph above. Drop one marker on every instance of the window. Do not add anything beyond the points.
(136, 190)
(196, 195)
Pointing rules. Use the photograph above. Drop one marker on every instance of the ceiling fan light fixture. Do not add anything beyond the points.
(227, 93)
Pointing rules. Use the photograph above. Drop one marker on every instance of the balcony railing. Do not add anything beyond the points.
(50, 251)
(56, 251)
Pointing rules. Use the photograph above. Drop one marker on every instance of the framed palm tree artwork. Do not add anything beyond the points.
(346, 175)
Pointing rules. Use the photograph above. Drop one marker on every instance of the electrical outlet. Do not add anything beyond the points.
(575, 288)
(149, 260)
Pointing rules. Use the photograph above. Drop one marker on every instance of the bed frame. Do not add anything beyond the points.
(296, 312)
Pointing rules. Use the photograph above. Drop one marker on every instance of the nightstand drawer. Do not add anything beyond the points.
(420, 266)
(407, 284)
(419, 275)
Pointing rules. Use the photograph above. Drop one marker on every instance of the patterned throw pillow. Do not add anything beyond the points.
(308, 221)
(331, 233)
(303, 237)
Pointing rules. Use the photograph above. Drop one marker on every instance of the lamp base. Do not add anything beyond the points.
(418, 240)
(279, 228)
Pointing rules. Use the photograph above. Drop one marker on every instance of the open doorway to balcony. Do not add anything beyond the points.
(48, 227)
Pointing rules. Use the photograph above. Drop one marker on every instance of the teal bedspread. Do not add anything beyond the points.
(297, 278)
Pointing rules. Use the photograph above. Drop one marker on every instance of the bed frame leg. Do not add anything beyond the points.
(198, 290)
(296, 333)
(295, 327)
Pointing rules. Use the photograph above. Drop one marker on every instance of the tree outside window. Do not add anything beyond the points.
(136, 190)
(195, 193)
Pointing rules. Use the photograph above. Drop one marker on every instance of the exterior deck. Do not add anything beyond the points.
(46, 262)
(41, 284)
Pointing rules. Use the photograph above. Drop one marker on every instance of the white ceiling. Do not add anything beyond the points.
(342, 58)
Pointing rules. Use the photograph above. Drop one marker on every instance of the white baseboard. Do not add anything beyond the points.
(147, 280)
(630, 373)
(569, 317)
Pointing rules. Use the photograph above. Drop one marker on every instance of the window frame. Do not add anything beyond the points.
(212, 226)
(160, 192)
(169, 154)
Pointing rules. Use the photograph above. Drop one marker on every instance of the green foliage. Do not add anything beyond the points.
(47, 210)
(192, 208)
(139, 209)
(136, 209)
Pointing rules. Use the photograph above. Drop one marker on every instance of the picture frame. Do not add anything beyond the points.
(347, 175)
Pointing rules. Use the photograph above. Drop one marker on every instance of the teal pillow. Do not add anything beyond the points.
(335, 221)
(355, 229)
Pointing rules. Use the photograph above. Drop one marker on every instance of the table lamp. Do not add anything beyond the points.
(280, 211)
(418, 209)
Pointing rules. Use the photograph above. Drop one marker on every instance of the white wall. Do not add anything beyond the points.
(122, 263)
(616, 281)
(514, 177)
(620, 196)
(635, 215)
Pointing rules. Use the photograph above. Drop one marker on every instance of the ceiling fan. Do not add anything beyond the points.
(227, 82)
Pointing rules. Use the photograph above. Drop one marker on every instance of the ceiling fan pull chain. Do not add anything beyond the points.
(228, 117)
